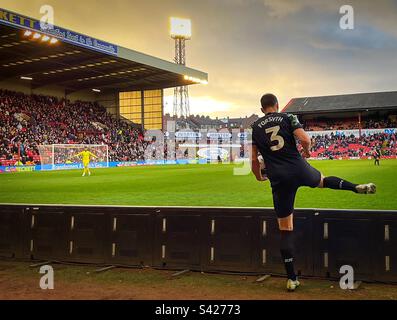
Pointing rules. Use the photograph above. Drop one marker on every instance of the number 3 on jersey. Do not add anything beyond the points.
(274, 137)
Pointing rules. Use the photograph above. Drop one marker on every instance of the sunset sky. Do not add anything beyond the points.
(249, 47)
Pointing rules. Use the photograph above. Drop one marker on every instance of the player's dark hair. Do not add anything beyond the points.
(268, 100)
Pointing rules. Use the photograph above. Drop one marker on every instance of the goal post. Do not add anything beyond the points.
(63, 156)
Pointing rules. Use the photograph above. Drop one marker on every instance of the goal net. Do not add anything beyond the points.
(62, 156)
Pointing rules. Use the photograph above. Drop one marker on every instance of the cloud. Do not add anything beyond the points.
(284, 8)
(248, 47)
(203, 105)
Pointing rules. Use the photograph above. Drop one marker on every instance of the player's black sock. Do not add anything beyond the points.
(286, 249)
(338, 183)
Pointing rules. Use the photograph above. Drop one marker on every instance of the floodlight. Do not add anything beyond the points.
(181, 28)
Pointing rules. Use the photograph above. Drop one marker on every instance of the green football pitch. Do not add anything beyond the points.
(195, 185)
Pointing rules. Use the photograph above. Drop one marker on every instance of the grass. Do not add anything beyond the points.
(195, 185)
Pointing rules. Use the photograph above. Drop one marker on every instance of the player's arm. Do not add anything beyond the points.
(304, 140)
(255, 165)
(78, 155)
(93, 155)
(301, 135)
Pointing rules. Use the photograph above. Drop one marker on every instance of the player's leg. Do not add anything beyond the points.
(313, 178)
(283, 200)
(85, 165)
(336, 183)
(287, 250)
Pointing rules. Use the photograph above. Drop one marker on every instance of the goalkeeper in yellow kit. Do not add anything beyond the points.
(86, 156)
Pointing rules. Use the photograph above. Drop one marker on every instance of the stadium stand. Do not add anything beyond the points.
(341, 146)
(359, 102)
(350, 111)
(29, 120)
(332, 120)
(349, 124)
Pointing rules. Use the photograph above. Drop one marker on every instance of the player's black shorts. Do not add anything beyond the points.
(284, 190)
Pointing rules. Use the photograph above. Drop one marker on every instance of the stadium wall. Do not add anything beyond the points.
(16, 85)
(110, 101)
(112, 164)
(243, 240)
(79, 165)
(25, 87)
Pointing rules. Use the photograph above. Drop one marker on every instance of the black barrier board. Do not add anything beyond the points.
(228, 244)
(343, 239)
(86, 235)
(208, 239)
(9, 235)
(44, 237)
(386, 248)
(131, 239)
(267, 245)
(177, 239)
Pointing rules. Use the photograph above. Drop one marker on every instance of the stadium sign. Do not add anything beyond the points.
(355, 132)
(210, 135)
(213, 153)
(187, 135)
(219, 135)
(18, 169)
(23, 22)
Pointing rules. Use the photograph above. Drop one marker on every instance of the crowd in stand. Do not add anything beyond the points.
(349, 124)
(379, 124)
(27, 121)
(341, 146)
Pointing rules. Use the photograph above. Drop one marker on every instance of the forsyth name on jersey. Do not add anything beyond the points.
(265, 120)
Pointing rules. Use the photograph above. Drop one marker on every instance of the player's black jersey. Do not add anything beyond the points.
(273, 136)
